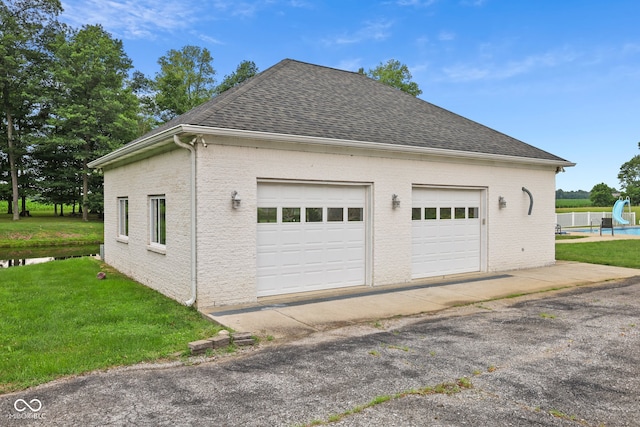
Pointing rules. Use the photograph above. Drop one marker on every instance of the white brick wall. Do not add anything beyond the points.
(227, 236)
(167, 174)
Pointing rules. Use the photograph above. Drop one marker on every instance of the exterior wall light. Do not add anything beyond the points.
(395, 201)
(502, 202)
(235, 200)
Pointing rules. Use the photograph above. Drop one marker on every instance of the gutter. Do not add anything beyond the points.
(194, 229)
(161, 138)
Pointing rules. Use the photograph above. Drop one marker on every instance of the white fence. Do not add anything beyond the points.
(586, 219)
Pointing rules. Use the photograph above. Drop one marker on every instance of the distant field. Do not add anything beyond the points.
(37, 208)
(573, 203)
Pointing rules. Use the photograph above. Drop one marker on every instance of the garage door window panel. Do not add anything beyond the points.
(460, 213)
(430, 213)
(445, 213)
(356, 214)
(267, 215)
(335, 214)
(290, 214)
(416, 214)
(313, 214)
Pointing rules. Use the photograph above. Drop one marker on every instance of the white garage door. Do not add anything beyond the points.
(310, 237)
(446, 231)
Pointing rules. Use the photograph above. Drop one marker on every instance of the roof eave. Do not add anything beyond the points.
(137, 147)
(312, 140)
(165, 137)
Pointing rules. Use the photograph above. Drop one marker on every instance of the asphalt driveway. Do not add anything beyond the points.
(565, 358)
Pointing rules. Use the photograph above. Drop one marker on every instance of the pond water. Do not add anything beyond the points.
(29, 256)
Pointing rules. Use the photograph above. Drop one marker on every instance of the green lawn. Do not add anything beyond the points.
(572, 203)
(58, 319)
(621, 253)
(49, 230)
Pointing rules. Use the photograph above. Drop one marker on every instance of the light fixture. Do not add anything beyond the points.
(502, 202)
(235, 200)
(395, 201)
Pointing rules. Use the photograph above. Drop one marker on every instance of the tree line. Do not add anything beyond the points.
(70, 95)
(629, 177)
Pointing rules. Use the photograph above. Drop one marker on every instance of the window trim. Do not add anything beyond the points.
(123, 219)
(157, 223)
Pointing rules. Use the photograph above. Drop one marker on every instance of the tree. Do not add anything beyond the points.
(579, 194)
(394, 74)
(602, 195)
(186, 80)
(27, 27)
(629, 177)
(142, 87)
(94, 112)
(59, 180)
(244, 71)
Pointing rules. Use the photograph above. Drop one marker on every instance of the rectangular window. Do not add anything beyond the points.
(474, 213)
(267, 215)
(158, 220)
(460, 213)
(290, 214)
(123, 217)
(355, 214)
(335, 214)
(445, 213)
(415, 214)
(313, 214)
(430, 213)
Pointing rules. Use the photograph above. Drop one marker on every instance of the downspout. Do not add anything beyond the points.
(192, 184)
(530, 199)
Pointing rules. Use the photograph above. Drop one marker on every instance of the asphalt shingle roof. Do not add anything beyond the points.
(297, 98)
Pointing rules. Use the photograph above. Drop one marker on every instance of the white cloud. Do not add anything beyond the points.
(631, 48)
(415, 3)
(446, 36)
(143, 19)
(371, 30)
(475, 3)
(208, 39)
(131, 18)
(353, 64)
(508, 69)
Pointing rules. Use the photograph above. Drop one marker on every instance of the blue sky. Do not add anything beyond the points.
(563, 76)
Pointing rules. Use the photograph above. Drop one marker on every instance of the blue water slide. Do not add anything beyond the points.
(618, 207)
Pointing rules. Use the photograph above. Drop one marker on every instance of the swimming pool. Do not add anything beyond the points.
(635, 231)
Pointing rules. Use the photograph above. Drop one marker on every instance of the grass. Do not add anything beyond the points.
(58, 319)
(45, 230)
(36, 207)
(447, 388)
(573, 203)
(621, 253)
(568, 237)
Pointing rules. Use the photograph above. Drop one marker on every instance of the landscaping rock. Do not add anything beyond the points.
(220, 341)
(199, 347)
(242, 338)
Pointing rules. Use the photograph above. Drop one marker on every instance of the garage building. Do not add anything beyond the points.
(308, 178)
